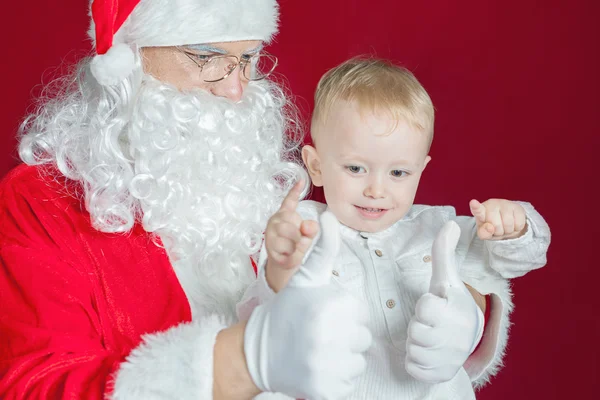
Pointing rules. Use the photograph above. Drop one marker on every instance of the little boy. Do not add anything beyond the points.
(372, 129)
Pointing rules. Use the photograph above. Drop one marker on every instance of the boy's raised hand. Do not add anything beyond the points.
(498, 219)
(287, 239)
(308, 340)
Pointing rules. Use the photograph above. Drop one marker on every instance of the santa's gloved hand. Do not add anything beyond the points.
(447, 324)
(308, 341)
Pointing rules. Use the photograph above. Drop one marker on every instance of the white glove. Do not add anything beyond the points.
(307, 341)
(447, 324)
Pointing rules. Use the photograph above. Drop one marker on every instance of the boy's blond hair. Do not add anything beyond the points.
(375, 85)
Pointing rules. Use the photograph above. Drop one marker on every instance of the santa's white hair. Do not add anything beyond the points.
(201, 172)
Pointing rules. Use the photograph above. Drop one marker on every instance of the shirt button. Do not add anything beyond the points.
(390, 303)
(427, 258)
(334, 272)
(379, 253)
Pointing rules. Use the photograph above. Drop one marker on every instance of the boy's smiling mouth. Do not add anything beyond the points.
(370, 212)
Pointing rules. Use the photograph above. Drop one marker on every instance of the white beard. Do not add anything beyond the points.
(201, 173)
(208, 175)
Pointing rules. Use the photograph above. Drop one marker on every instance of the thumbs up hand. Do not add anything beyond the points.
(447, 324)
(307, 342)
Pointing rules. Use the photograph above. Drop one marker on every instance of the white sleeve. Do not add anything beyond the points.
(513, 258)
(175, 364)
(510, 258)
(486, 266)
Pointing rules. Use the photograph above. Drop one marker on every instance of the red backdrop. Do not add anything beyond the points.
(516, 86)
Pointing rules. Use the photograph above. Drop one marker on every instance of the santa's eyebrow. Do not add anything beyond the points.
(212, 49)
(207, 48)
(254, 50)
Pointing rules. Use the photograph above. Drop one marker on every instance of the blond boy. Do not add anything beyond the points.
(372, 129)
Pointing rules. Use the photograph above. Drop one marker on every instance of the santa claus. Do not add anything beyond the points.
(129, 232)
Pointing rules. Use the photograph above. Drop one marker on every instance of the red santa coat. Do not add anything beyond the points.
(74, 301)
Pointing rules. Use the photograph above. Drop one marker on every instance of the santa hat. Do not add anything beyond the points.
(119, 26)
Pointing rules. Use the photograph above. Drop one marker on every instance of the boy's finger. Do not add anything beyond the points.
(520, 221)
(282, 246)
(303, 245)
(309, 228)
(293, 197)
(289, 231)
(478, 210)
(486, 231)
(493, 217)
(508, 222)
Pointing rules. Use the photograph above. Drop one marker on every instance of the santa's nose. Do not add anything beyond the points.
(231, 87)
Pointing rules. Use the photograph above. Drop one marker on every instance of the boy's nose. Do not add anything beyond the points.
(375, 190)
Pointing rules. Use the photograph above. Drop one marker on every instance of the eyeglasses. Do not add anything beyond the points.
(218, 67)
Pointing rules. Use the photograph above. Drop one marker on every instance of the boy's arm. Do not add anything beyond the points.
(485, 267)
(513, 258)
(515, 254)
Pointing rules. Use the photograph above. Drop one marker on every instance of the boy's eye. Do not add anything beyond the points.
(355, 169)
(398, 173)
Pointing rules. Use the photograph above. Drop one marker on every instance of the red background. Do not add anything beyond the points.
(516, 86)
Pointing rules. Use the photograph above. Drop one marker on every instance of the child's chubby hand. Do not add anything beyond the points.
(287, 239)
(499, 219)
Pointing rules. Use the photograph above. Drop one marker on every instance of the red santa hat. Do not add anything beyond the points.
(119, 26)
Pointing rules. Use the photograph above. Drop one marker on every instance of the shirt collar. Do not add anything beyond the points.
(350, 233)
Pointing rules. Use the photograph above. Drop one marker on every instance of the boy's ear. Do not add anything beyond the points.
(313, 164)
(427, 159)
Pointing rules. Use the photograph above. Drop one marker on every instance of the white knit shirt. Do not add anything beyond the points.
(391, 270)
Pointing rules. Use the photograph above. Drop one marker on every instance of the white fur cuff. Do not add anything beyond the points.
(175, 364)
(487, 360)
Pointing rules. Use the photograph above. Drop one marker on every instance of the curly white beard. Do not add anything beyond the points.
(202, 173)
(208, 176)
